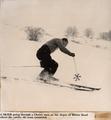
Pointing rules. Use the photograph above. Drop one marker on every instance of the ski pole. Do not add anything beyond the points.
(75, 66)
(77, 75)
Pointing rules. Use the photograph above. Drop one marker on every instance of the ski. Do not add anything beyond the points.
(84, 87)
(70, 86)
(54, 83)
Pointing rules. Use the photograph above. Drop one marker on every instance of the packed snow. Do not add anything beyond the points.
(20, 90)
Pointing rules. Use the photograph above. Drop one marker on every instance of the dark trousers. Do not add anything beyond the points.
(49, 65)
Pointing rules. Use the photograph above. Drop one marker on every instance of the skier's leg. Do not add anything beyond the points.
(44, 75)
(43, 54)
(50, 67)
(45, 72)
(53, 66)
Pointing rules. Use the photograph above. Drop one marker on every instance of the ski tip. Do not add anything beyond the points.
(98, 88)
(84, 88)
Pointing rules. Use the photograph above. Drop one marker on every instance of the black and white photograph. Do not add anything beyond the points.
(55, 55)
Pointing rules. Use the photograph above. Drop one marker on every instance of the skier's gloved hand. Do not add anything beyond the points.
(73, 54)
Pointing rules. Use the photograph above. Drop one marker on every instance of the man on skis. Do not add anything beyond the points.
(44, 55)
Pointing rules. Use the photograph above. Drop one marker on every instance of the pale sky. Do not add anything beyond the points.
(56, 15)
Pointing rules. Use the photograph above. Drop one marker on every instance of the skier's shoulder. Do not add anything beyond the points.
(54, 41)
(58, 41)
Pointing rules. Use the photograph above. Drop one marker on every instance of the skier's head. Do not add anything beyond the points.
(65, 41)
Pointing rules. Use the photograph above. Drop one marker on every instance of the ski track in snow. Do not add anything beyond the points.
(21, 92)
(93, 64)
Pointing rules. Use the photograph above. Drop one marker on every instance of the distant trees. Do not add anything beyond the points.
(71, 32)
(34, 33)
(109, 34)
(89, 33)
(106, 35)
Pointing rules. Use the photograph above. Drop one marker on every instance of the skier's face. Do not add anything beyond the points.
(65, 43)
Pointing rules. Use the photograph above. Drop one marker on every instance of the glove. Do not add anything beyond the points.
(73, 54)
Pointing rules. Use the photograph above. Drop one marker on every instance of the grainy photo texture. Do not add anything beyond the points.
(55, 55)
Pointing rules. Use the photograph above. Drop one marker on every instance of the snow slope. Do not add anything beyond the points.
(21, 92)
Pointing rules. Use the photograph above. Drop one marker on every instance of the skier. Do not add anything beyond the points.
(44, 55)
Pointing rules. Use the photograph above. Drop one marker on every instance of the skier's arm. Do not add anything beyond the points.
(64, 50)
